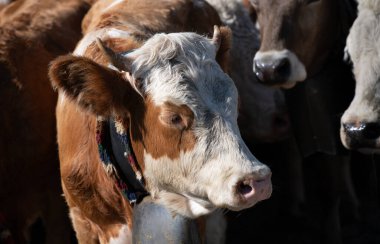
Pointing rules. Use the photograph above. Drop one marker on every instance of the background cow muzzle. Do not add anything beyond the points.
(272, 71)
(361, 135)
(279, 68)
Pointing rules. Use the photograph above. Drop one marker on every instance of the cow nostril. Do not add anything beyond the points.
(371, 131)
(282, 67)
(244, 188)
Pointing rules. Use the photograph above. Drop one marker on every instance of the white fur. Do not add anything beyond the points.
(124, 236)
(5, 1)
(198, 209)
(363, 47)
(298, 70)
(61, 98)
(373, 5)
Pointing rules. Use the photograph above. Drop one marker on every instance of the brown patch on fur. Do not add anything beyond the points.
(95, 88)
(164, 140)
(166, 16)
(97, 197)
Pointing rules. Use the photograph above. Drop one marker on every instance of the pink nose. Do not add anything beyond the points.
(254, 190)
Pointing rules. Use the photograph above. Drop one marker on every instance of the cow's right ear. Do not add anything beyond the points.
(98, 89)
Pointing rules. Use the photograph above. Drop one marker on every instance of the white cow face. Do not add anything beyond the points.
(360, 124)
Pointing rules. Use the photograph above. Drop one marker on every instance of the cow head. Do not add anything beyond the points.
(360, 127)
(181, 111)
(296, 38)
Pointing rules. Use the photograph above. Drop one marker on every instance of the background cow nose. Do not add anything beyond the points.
(255, 189)
(272, 71)
(360, 135)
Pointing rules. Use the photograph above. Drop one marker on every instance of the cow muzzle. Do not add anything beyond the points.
(252, 189)
(361, 136)
(278, 68)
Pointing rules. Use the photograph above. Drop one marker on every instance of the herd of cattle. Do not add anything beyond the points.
(184, 104)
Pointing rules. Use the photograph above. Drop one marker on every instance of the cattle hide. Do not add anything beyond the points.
(31, 34)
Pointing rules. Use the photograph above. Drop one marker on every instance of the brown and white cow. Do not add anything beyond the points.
(361, 121)
(32, 33)
(179, 107)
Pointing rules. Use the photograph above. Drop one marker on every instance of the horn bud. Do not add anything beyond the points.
(216, 38)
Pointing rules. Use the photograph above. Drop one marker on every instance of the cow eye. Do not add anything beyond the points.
(176, 119)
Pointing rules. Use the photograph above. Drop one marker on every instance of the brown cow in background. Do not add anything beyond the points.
(262, 109)
(32, 33)
(303, 41)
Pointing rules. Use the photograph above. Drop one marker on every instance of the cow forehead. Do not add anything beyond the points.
(364, 35)
(181, 69)
(363, 48)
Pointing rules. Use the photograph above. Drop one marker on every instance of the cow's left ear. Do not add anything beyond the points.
(222, 39)
(96, 88)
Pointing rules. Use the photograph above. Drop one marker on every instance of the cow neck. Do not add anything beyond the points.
(119, 161)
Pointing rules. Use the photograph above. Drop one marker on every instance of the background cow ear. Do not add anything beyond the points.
(98, 89)
(222, 39)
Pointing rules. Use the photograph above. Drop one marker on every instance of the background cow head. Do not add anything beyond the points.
(181, 111)
(296, 38)
(361, 121)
